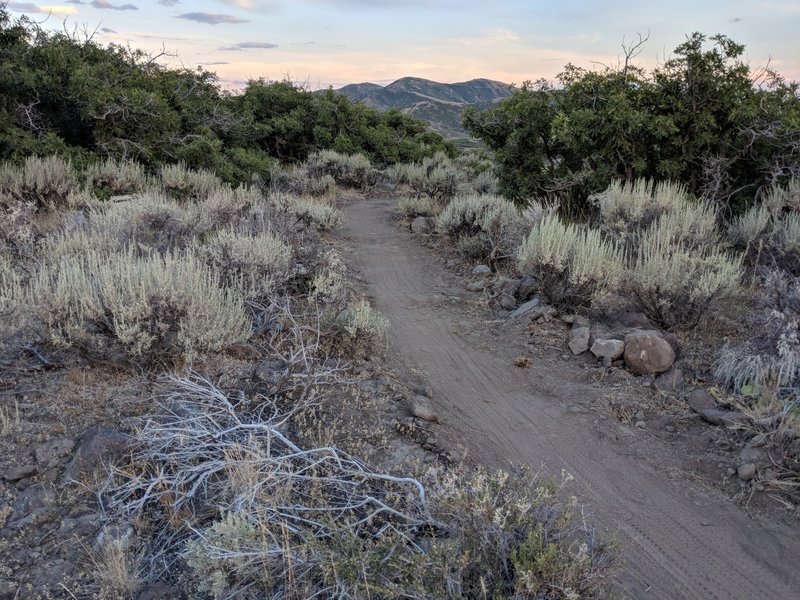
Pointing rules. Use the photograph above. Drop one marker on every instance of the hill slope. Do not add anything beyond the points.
(439, 104)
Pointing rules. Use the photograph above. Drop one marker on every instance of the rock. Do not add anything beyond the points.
(750, 454)
(641, 425)
(527, 288)
(33, 498)
(700, 400)
(608, 349)
(640, 416)
(481, 270)
(422, 409)
(243, 351)
(746, 472)
(723, 417)
(579, 340)
(647, 352)
(271, 370)
(545, 311)
(629, 320)
(476, 286)
(508, 302)
(53, 453)
(671, 381)
(525, 308)
(423, 225)
(20, 472)
(505, 286)
(98, 446)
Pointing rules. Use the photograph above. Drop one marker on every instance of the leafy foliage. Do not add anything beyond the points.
(702, 119)
(65, 94)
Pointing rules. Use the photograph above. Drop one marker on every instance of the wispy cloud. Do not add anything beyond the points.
(248, 46)
(104, 5)
(107, 30)
(169, 2)
(212, 18)
(30, 7)
(156, 36)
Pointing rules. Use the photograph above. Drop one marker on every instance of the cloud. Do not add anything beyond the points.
(248, 46)
(169, 2)
(215, 62)
(156, 36)
(104, 5)
(107, 30)
(212, 18)
(30, 7)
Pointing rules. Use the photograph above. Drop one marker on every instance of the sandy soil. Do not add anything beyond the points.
(679, 537)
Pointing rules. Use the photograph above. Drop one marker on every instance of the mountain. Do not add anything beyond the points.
(439, 104)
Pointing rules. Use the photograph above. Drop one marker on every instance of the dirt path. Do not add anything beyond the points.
(678, 542)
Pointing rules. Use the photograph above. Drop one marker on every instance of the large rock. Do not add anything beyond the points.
(505, 286)
(422, 409)
(97, 447)
(423, 225)
(481, 270)
(648, 353)
(53, 453)
(525, 308)
(608, 350)
(476, 286)
(700, 400)
(508, 302)
(579, 340)
(671, 381)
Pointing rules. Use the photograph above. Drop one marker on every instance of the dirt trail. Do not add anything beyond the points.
(676, 543)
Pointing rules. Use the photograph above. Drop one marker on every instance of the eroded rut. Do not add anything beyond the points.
(673, 546)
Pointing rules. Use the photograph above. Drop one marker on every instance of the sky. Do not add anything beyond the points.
(335, 42)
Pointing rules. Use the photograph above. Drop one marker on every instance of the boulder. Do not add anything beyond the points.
(481, 270)
(423, 225)
(579, 340)
(648, 353)
(671, 381)
(98, 446)
(746, 472)
(508, 302)
(475, 286)
(422, 409)
(724, 417)
(700, 400)
(53, 453)
(525, 308)
(545, 311)
(608, 349)
(505, 286)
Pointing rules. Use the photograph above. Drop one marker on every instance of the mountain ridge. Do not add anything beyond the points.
(439, 104)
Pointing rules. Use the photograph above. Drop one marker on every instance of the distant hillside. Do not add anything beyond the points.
(440, 104)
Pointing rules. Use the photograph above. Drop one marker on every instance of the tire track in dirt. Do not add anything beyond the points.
(669, 549)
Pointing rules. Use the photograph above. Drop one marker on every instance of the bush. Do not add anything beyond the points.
(575, 266)
(184, 184)
(363, 330)
(769, 234)
(250, 264)
(299, 182)
(418, 207)
(770, 359)
(312, 213)
(112, 178)
(154, 309)
(347, 170)
(491, 219)
(315, 522)
(676, 287)
(44, 182)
